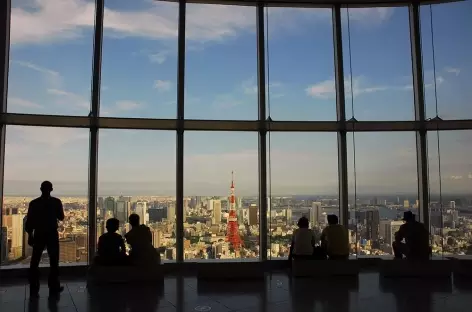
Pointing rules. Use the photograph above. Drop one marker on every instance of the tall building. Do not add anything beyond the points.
(253, 220)
(390, 227)
(288, 215)
(171, 212)
(17, 231)
(156, 238)
(67, 250)
(3, 245)
(452, 204)
(27, 249)
(122, 210)
(370, 219)
(216, 212)
(315, 213)
(406, 204)
(142, 211)
(109, 207)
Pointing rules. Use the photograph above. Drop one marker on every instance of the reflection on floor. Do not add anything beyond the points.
(277, 293)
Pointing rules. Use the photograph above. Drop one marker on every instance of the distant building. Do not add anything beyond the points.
(388, 230)
(171, 213)
(17, 236)
(3, 245)
(157, 238)
(315, 213)
(67, 250)
(142, 211)
(370, 219)
(123, 208)
(27, 249)
(288, 215)
(253, 220)
(216, 212)
(452, 204)
(109, 207)
(406, 204)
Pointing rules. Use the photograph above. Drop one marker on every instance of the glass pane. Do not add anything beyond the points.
(382, 186)
(51, 57)
(139, 67)
(451, 30)
(221, 58)
(302, 179)
(218, 225)
(377, 63)
(300, 62)
(35, 154)
(136, 174)
(450, 178)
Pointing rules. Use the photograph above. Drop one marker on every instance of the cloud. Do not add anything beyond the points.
(162, 85)
(323, 90)
(326, 89)
(50, 136)
(452, 70)
(127, 105)
(69, 98)
(23, 103)
(52, 76)
(455, 177)
(39, 21)
(159, 57)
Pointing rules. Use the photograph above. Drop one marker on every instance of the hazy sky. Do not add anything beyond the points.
(50, 73)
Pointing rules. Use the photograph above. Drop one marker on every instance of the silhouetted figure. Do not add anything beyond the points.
(335, 240)
(416, 238)
(41, 225)
(303, 241)
(140, 239)
(111, 246)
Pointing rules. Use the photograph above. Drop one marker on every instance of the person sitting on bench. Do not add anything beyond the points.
(335, 239)
(416, 238)
(111, 246)
(140, 239)
(303, 241)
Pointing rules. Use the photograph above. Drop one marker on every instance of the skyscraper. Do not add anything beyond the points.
(67, 250)
(315, 213)
(216, 211)
(253, 214)
(122, 210)
(142, 211)
(288, 214)
(27, 249)
(390, 228)
(17, 235)
(3, 245)
(370, 219)
(109, 207)
(406, 204)
(171, 212)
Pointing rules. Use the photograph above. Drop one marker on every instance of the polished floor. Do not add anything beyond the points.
(278, 293)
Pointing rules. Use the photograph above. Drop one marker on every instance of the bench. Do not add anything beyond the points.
(325, 268)
(436, 268)
(230, 270)
(124, 274)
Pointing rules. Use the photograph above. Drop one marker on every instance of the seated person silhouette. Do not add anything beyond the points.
(140, 239)
(416, 236)
(303, 241)
(111, 246)
(335, 239)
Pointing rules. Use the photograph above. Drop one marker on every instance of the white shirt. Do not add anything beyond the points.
(303, 241)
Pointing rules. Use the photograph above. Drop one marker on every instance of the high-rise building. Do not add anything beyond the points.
(109, 207)
(198, 201)
(406, 204)
(27, 249)
(390, 228)
(122, 210)
(452, 204)
(370, 219)
(253, 220)
(209, 204)
(216, 212)
(67, 250)
(17, 231)
(3, 245)
(171, 212)
(288, 215)
(142, 211)
(101, 205)
(315, 213)
(156, 238)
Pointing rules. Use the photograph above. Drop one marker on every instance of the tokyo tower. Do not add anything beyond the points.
(233, 229)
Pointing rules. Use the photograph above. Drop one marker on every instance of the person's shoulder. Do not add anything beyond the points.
(56, 200)
(35, 201)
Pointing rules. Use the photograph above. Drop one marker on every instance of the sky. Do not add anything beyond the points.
(51, 68)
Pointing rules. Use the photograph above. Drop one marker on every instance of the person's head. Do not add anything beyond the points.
(46, 188)
(408, 216)
(332, 219)
(133, 219)
(112, 225)
(303, 223)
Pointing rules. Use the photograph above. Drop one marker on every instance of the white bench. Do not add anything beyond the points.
(124, 274)
(325, 268)
(437, 268)
(230, 270)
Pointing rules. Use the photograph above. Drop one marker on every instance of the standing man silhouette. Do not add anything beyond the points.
(41, 225)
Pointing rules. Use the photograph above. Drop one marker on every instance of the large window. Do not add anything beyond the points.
(221, 205)
(450, 182)
(136, 174)
(220, 70)
(33, 155)
(300, 66)
(302, 181)
(377, 63)
(51, 57)
(139, 67)
(446, 31)
(382, 180)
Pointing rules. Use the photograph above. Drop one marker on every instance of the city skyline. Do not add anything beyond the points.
(139, 80)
